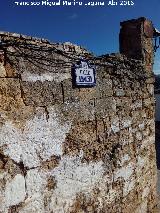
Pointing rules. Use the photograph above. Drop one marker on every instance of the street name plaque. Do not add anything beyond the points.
(84, 74)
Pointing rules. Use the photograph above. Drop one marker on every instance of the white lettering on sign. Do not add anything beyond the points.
(85, 75)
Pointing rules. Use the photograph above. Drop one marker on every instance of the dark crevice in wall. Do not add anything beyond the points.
(62, 92)
(3, 158)
(22, 92)
(47, 113)
(96, 122)
(21, 165)
(16, 208)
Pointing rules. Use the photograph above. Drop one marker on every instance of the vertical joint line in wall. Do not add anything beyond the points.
(47, 113)
(62, 91)
(104, 126)
(21, 89)
(96, 126)
(94, 102)
(136, 157)
(25, 188)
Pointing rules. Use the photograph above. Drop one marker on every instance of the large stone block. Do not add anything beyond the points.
(41, 93)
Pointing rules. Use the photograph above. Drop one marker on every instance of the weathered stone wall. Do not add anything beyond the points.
(74, 150)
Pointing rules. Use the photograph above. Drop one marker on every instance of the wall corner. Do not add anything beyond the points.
(136, 41)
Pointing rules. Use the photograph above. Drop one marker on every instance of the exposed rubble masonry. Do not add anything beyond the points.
(77, 150)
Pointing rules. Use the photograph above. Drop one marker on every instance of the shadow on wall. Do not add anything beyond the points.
(157, 142)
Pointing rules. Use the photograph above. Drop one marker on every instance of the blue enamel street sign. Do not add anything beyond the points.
(84, 74)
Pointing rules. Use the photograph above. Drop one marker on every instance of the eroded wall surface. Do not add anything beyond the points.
(74, 150)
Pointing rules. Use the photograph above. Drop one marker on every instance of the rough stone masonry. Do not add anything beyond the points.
(77, 150)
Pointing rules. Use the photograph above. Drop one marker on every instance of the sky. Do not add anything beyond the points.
(93, 27)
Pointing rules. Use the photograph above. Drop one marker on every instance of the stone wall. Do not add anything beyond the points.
(74, 150)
